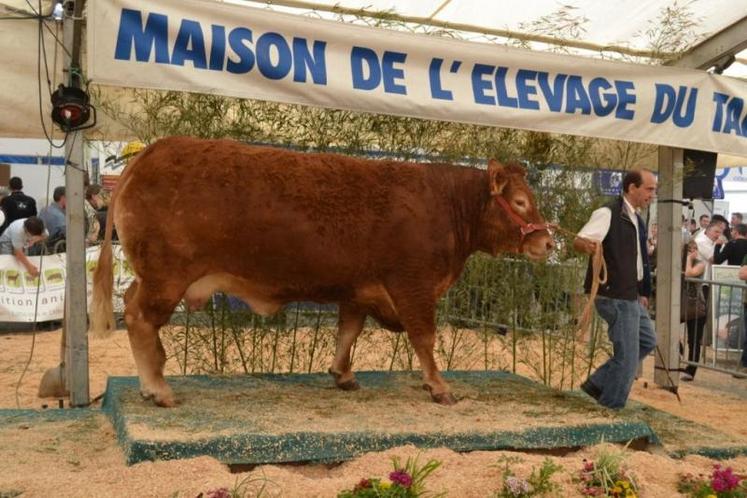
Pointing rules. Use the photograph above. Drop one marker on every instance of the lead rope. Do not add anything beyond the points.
(599, 276)
(599, 268)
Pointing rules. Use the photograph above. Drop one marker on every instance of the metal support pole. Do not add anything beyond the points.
(668, 265)
(76, 339)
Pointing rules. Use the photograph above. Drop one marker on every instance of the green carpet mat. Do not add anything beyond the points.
(274, 418)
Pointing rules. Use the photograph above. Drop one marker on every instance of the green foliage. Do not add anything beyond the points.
(248, 487)
(538, 484)
(674, 29)
(607, 476)
(406, 481)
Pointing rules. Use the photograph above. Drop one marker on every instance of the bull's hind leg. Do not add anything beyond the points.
(148, 308)
(419, 319)
(349, 328)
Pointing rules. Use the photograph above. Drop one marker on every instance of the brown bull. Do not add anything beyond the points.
(379, 238)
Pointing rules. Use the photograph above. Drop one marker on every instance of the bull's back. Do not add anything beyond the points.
(226, 206)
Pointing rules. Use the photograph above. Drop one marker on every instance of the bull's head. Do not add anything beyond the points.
(511, 217)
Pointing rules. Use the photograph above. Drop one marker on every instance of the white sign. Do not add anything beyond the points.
(218, 48)
(27, 299)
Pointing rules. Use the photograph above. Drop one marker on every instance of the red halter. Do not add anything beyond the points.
(526, 228)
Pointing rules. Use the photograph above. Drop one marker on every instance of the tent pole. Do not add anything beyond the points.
(76, 347)
(668, 267)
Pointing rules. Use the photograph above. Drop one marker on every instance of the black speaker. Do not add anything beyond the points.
(699, 171)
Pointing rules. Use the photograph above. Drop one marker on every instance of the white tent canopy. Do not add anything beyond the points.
(623, 25)
(626, 30)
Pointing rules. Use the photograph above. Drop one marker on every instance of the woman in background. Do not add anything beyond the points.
(691, 313)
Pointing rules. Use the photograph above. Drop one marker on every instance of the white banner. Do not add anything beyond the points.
(211, 47)
(23, 298)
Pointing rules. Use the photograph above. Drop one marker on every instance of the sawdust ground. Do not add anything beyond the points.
(81, 458)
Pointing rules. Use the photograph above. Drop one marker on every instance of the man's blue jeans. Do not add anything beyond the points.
(632, 335)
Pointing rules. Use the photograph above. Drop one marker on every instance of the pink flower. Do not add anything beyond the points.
(401, 477)
(219, 493)
(723, 480)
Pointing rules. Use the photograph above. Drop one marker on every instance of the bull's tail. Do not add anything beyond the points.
(101, 315)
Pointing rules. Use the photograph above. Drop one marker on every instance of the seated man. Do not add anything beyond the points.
(19, 236)
(53, 217)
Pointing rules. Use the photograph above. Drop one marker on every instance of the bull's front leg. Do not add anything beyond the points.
(349, 328)
(419, 319)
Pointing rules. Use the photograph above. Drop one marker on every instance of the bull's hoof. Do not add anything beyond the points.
(346, 385)
(349, 385)
(446, 399)
(165, 400)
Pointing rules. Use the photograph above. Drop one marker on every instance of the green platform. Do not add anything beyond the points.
(270, 418)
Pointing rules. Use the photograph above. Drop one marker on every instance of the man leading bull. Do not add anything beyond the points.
(623, 300)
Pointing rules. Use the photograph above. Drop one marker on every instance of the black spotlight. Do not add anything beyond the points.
(71, 108)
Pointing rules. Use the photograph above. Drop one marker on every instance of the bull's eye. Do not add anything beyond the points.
(520, 204)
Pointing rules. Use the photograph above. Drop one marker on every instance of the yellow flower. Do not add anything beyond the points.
(385, 485)
(711, 496)
(616, 489)
(626, 484)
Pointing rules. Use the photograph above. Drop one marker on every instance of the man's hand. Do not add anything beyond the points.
(585, 245)
(644, 301)
(32, 270)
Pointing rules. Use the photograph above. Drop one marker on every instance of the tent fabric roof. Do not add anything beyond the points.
(587, 26)
(626, 23)
(629, 24)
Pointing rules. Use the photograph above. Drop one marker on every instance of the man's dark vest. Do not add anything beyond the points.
(621, 256)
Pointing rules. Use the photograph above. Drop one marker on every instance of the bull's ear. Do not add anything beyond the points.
(497, 177)
(517, 168)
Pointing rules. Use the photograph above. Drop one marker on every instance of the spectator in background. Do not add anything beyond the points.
(4, 192)
(19, 237)
(704, 221)
(685, 231)
(53, 217)
(706, 244)
(707, 241)
(734, 251)
(17, 205)
(724, 223)
(93, 201)
(692, 267)
(653, 234)
(693, 228)
(736, 219)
